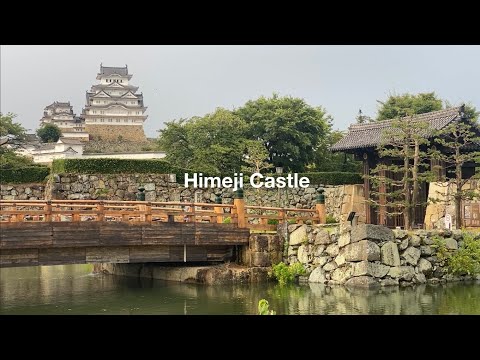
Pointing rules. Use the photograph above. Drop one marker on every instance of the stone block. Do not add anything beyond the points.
(362, 250)
(371, 232)
(363, 282)
(371, 269)
(390, 254)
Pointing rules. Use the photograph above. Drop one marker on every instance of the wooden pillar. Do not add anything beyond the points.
(100, 211)
(48, 211)
(218, 210)
(366, 188)
(148, 209)
(282, 214)
(239, 203)
(382, 198)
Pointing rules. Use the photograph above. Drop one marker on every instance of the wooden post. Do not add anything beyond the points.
(100, 211)
(48, 211)
(282, 214)
(320, 207)
(366, 188)
(382, 197)
(76, 217)
(148, 209)
(218, 209)
(239, 203)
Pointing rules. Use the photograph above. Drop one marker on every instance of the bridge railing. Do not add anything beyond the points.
(239, 214)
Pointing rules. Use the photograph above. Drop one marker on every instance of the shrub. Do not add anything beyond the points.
(330, 219)
(30, 174)
(333, 178)
(116, 166)
(465, 260)
(264, 308)
(272, 221)
(286, 273)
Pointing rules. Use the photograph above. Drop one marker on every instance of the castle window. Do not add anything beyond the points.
(109, 120)
(102, 112)
(126, 120)
(118, 120)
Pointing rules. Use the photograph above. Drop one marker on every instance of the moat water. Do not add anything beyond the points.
(74, 289)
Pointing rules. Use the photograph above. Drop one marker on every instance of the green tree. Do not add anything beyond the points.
(291, 130)
(213, 144)
(401, 152)
(256, 157)
(8, 127)
(407, 104)
(49, 133)
(456, 142)
(327, 161)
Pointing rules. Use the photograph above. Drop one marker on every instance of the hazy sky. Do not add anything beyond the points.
(182, 81)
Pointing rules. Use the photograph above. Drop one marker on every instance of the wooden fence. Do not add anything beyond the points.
(243, 216)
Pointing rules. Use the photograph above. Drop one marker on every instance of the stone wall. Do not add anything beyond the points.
(370, 255)
(112, 132)
(339, 200)
(33, 191)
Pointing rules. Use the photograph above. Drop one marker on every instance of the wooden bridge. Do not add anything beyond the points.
(54, 232)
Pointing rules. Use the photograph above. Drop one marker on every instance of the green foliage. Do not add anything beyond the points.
(286, 273)
(327, 161)
(331, 219)
(291, 130)
(213, 144)
(457, 140)
(407, 104)
(31, 174)
(465, 260)
(332, 178)
(227, 220)
(291, 221)
(264, 308)
(11, 160)
(8, 127)
(272, 221)
(256, 157)
(115, 166)
(49, 133)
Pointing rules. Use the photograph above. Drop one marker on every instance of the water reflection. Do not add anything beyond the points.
(73, 289)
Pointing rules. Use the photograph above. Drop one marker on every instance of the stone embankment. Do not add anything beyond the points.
(370, 255)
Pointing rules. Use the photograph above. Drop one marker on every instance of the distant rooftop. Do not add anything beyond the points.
(58, 104)
(108, 70)
(361, 136)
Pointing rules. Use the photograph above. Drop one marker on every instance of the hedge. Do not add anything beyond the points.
(116, 166)
(24, 175)
(333, 178)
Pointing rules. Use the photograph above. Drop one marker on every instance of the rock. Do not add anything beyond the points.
(299, 236)
(390, 254)
(259, 243)
(149, 186)
(320, 261)
(404, 244)
(426, 250)
(362, 281)
(342, 274)
(411, 255)
(388, 282)
(76, 187)
(414, 240)
(451, 244)
(402, 272)
(317, 250)
(323, 238)
(292, 251)
(369, 268)
(362, 250)
(438, 272)
(400, 234)
(317, 276)
(419, 278)
(451, 278)
(340, 259)
(457, 234)
(332, 250)
(332, 265)
(344, 239)
(427, 240)
(371, 232)
(260, 259)
(425, 267)
(302, 254)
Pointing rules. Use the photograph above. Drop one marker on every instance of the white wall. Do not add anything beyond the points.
(138, 156)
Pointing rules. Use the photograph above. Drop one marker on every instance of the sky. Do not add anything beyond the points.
(184, 81)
